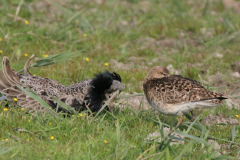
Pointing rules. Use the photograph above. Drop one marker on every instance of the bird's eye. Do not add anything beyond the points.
(164, 74)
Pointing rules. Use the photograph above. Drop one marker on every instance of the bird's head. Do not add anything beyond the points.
(116, 85)
(157, 72)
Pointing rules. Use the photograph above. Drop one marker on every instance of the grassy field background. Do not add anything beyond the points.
(197, 39)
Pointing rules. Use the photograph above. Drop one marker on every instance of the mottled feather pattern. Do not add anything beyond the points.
(177, 88)
(73, 96)
(88, 93)
(174, 93)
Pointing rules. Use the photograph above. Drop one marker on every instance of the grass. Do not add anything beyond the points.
(185, 34)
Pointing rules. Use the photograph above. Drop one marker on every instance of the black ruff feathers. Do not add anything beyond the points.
(99, 85)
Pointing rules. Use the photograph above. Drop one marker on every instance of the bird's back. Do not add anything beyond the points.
(174, 92)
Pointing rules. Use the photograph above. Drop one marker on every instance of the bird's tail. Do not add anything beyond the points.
(9, 80)
(9, 83)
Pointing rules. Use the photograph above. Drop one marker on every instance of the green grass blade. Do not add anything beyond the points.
(75, 15)
(52, 59)
(177, 138)
(66, 11)
(5, 150)
(191, 125)
(233, 133)
(200, 140)
(185, 149)
(131, 95)
(64, 105)
(224, 157)
(103, 107)
(34, 95)
(118, 133)
(224, 140)
(229, 24)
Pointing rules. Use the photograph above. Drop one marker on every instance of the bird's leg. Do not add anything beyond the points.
(87, 106)
(109, 105)
(192, 119)
(107, 96)
(113, 97)
(196, 115)
(180, 118)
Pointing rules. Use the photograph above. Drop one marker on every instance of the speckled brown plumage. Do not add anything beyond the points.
(91, 93)
(175, 94)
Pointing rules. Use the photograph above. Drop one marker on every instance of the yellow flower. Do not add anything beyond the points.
(80, 115)
(22, 109)
(50, 123)
(46, 55)
(5, 109)
(106, 64)
(105, 141)
(237, 116)
(217, 125)
(31, 138)
(24, 117)
(26, 22)
(84, 35)
(87, 59)
(0, 39)
(52, 137)
(2, 140)
(1, 51)
(72, 115)
(34, 74)
(29, 121)
(12, 48)
(26, 55)
(15, 99)
(6, 139)
(27, 139)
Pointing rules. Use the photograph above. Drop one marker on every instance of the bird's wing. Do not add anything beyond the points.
(176, 89)
(45, 88)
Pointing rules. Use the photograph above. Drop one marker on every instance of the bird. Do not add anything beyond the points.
(84, 95)
(176, 95)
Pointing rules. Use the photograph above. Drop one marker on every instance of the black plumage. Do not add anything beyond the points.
(90, 93)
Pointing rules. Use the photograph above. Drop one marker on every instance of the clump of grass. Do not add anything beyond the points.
(133, 33)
